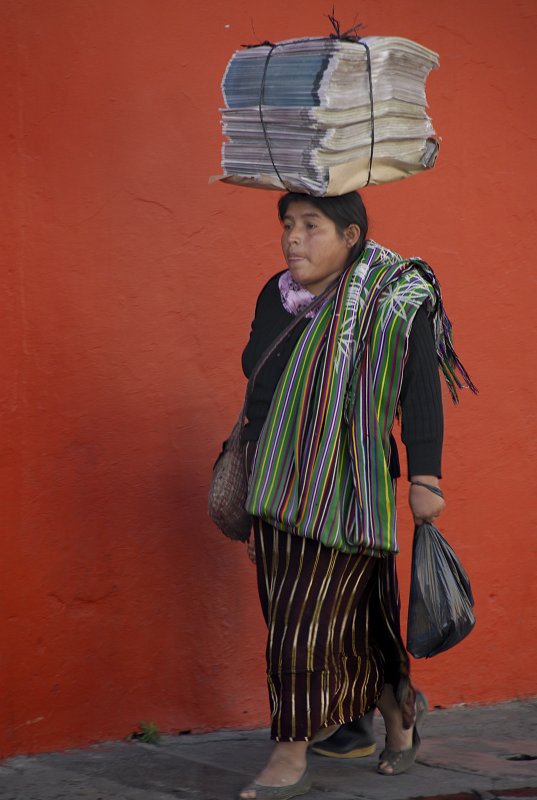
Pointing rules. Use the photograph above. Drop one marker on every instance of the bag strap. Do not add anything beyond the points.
(288, 330)
(328, 292)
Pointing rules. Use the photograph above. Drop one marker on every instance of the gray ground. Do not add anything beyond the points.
(481, 751)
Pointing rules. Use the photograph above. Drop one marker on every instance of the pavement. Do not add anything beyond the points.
(467, 753)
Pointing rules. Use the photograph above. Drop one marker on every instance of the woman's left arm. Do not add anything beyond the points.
(422, 420)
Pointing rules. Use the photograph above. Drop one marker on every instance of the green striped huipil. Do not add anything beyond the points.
(321, 468)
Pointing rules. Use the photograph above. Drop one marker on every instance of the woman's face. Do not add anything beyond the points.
(315, 251)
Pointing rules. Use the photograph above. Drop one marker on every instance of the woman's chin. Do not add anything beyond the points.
(297, 274)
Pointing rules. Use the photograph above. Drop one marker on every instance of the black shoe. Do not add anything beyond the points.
(353, 740)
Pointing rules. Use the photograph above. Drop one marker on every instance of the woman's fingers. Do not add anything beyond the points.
(250, 549)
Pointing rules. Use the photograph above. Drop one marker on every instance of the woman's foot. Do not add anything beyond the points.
(285, 771)
(394, 762)
(401, 743)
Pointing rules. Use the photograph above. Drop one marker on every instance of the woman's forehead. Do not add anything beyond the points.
(301, 208)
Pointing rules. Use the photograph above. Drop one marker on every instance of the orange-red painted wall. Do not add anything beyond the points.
(128, 286)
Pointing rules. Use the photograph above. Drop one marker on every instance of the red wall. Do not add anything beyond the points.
(128, 288)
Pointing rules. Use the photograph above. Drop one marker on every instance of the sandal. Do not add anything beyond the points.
(279, 792)
(401, 760)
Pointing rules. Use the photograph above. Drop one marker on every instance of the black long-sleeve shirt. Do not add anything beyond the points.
(421, 399)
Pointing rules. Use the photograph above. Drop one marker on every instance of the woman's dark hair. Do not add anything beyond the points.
(347, 209)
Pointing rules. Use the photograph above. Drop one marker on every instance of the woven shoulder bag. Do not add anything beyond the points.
(229, 487)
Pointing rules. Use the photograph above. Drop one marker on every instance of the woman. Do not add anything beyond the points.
(323, 468)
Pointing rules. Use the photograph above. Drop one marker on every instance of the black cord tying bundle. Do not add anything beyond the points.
(261, 118)
(350, 35)
(372, 111)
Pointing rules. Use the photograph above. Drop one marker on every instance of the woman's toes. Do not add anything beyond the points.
(385, 767)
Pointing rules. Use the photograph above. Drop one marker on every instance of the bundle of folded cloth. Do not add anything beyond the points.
(326, 115)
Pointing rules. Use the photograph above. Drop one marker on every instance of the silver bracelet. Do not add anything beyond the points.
(435, 489)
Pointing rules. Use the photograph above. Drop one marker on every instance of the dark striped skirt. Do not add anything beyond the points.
(334, 637)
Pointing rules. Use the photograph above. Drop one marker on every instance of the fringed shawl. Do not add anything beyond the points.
(322, 464)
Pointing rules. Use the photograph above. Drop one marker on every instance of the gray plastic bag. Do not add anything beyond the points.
(440, 611)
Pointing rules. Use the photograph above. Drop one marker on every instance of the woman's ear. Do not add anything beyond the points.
(352, 234)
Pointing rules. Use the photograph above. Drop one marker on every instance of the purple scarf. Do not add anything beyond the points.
(294, 296)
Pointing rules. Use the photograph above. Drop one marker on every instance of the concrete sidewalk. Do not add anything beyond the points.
(469, 751)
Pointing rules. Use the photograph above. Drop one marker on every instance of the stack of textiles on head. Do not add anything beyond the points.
(325, 116)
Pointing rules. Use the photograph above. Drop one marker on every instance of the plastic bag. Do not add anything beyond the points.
(440, 608)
